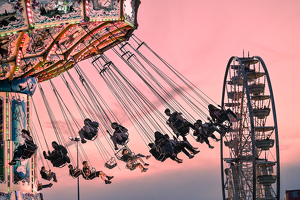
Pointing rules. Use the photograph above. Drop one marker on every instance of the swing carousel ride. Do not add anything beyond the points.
(44, 39)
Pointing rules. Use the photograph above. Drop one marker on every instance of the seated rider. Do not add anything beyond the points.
(220, 115)
(211, 127)
(89, 130)
(48, 175)
(184, 146)
(160, 156)
(132, 161)
(88, 174)
(28, 144)
(74, 172)
(119, 136)
(59, 152)
(202, 133)
(178, 124)
(163, 142)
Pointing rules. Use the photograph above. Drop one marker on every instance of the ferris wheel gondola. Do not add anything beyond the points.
(250, 160)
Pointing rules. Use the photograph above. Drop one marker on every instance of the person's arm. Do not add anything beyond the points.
(86, 129)
(88, 171)
(123, 129)
(92, 128)
(52, 152)
(179, 116)
(28, 137)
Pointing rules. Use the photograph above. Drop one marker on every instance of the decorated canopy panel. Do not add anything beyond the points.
(73, 35)
(13, 16)
(38, 40)
(130, 9)
(39, 36)
(54, 12)
(104, 9)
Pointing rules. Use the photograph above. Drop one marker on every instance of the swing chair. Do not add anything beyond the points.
(90, 136)
(93, 134)
(63, 159)
(118, 153)
(124, 140)
(29, 151)
(162, 156)
(77, 173)
(60, 158)
(91, 176)
(59, 162)
(130, 164)
(111, 163)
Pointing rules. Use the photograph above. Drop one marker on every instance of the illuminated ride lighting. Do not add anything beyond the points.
(29, 13)
(67, 27)
(87, 7)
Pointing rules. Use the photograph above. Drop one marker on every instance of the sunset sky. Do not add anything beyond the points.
(198, 38)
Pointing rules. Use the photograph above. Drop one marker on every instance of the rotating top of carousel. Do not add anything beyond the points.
(43, 38)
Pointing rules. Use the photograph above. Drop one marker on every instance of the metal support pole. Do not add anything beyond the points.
(77, 139)
(77, 165)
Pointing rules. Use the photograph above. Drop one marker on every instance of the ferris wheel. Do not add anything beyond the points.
(250, 154)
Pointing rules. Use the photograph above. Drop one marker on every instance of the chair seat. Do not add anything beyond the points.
(60, 162)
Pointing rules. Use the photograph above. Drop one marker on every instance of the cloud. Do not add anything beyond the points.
(284, 147)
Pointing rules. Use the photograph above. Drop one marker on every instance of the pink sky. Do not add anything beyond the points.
(198, 38)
